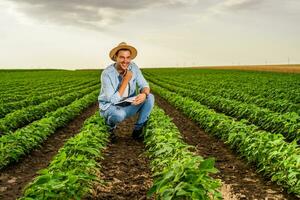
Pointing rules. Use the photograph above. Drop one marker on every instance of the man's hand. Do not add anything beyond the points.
(139, 99)
(127, 75)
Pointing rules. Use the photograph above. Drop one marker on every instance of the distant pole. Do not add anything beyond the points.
(288, 60)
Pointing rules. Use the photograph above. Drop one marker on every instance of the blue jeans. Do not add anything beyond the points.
(115, 114)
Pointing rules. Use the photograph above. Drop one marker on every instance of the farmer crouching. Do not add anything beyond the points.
(119, 81)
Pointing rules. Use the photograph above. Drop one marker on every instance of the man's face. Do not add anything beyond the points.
(123, 59)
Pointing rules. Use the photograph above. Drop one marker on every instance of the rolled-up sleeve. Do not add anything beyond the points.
(141, 81)
(108, 92)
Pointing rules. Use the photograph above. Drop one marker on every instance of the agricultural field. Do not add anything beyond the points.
(213, 134)
(287, 68)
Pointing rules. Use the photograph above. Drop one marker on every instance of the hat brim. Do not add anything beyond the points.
(116, 49)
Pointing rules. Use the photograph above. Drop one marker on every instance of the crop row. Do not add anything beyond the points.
(73, 170)
(24, 81)
(280, 105)
(35, 99)
(31, 87)
(22, 141)
(178, 173)
(271, 86)
(19, 118)
(41, 87)
(287, 124)
(272, 155)
(18, 86)
(59, 86)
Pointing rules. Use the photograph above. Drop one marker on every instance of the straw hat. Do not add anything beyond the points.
(123, 45)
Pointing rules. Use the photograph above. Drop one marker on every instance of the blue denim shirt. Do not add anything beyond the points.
(111, 81)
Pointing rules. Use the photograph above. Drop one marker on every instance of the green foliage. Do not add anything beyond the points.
(267, 86)
(43, 94)
(234, 91)
(22, 85)
(287, 124)
(73, 170)
(272, 155)
(178, 173)
(22, 141)
(26, 115)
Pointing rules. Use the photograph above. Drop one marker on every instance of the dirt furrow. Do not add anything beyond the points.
(125, 168)
(240, 180)
(15, 176)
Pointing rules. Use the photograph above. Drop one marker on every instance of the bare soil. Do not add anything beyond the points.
(125, 168)
(240, 180)
(15, 176)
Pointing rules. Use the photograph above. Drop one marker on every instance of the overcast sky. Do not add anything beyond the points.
(79, 34)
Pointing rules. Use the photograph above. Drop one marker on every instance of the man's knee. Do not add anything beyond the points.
(150, 98)
(116, 116)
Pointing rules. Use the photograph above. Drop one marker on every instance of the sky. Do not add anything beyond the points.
(72, 34)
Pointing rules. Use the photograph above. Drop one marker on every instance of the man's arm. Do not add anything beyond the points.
(143, 88)
(142, 96)
(108, 93)
(126, 78)
(146, 91)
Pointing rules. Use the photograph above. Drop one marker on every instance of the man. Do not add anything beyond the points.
(120, 81)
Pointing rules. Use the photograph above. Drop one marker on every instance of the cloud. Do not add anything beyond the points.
(94, 14)
(229, 6)
(240, 4)
(236, 5)
(269, 8)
